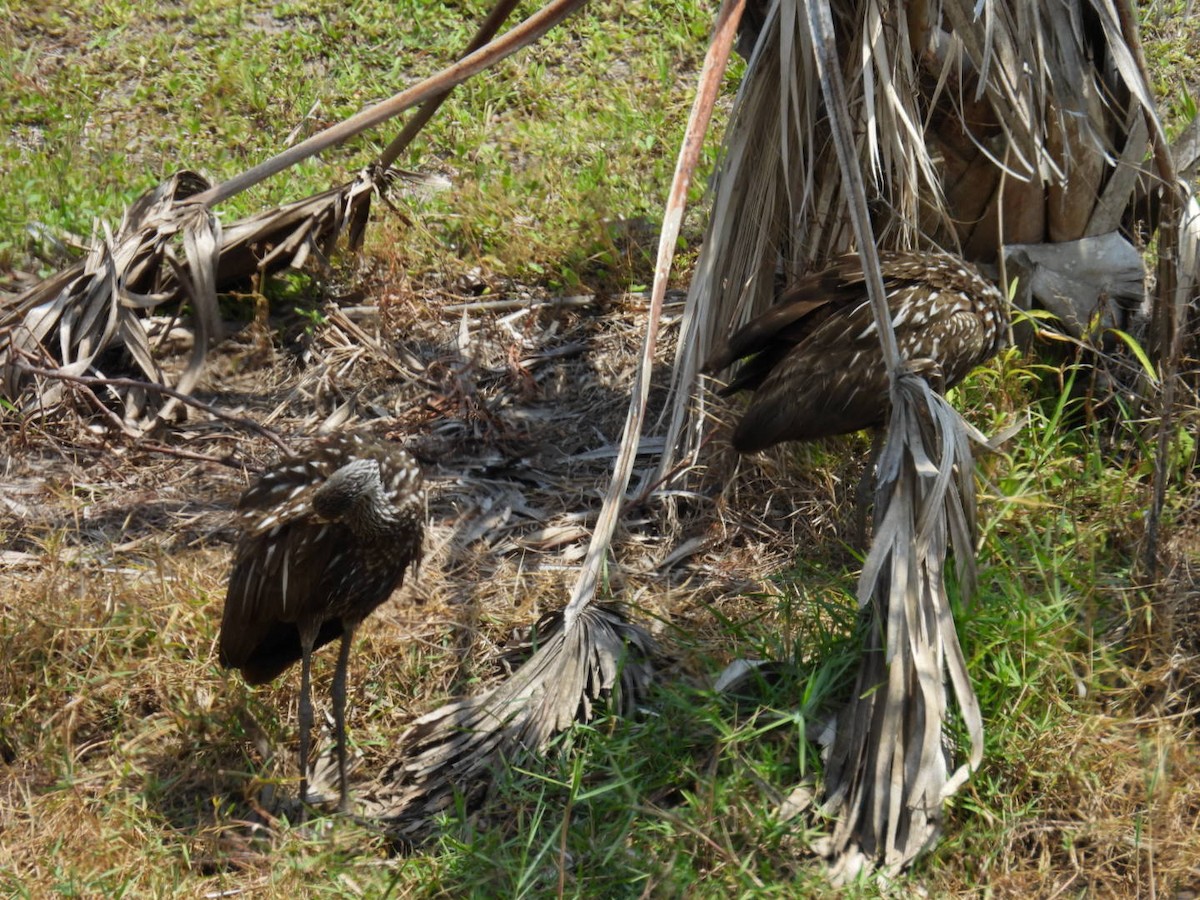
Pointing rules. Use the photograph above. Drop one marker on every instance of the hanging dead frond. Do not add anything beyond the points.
(889, 769)
(975, 125)
(778, 201)
(888, 775)
(453, 750)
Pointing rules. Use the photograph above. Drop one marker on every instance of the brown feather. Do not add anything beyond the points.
(294, 568)
(814, 361)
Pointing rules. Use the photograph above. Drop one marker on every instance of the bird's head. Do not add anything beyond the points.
(346, 490)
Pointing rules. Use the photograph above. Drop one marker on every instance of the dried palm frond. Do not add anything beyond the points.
(977, 124)
(91, 316)
(73, 318)
(887, 775)
(778, 200)
(452, 750)
(888, 771)
(972, 124)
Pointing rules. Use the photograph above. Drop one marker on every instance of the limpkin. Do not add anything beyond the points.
(326, 537)
(814, 362)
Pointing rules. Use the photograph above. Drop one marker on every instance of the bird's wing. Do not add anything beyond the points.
(806, 306)
(283, 550)
(279, 579)
(968, 344)
(281, 495)
(809, 395)
(784, 322)
(274, 572)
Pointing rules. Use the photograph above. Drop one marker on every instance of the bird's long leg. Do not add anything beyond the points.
(339, 714)
(308, 637)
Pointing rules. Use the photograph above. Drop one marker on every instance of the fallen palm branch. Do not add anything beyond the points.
(592, 649)
(600, 657)
(170, 249)
(94, 305)
(82, 381)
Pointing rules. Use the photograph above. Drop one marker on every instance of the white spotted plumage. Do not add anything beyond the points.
(326, 538)
(282, 575)
(814, 360)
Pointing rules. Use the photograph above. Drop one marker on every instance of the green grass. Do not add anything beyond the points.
(129, 758)
(549, 152)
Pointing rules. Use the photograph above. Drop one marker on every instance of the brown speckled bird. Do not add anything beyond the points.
(813, 359)
(326, 537)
